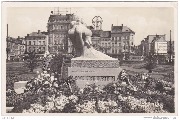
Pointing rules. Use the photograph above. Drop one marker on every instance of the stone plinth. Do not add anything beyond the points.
(95, 63)
(19, 86)
(89, 71)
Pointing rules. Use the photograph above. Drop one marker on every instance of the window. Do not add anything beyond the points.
(29, 42)
(34, 42)
(106, 44)
(124, 47)
(115, 51)
(112, 51)
(119, 44)
(29, 49)
(43, 48)
(39, 42)
(112, 38)
(127, 37)
(102, 44)
(117, 38)
(112, 44)
(55, 42)
(43, 42)
(119, 51)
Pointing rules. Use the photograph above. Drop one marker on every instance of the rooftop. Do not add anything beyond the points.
(36, 34)
(66, 17)
(158, 38)
(105, 34)
(121, 29)
(96, 33)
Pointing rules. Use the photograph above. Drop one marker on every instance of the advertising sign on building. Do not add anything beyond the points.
(161, 47)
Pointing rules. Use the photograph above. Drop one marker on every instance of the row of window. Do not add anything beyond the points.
(121, 38)
(58, 42)
(60, 35)
(59, 27)
(35, 43)
(113, 44)
(36, 38)
(115, 51)
(59, 20)
(37, 48)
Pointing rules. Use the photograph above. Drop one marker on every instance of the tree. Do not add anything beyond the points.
(56, 63)
(31, 61)
(150, 63)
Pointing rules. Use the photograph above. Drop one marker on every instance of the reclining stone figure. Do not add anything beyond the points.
(80, 37)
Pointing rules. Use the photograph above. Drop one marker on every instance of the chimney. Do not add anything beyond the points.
(39, 31)
(122, 25)
(112, 25)
(18, 37)
(27, 35)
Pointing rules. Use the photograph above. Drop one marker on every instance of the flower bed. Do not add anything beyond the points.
(48, 93)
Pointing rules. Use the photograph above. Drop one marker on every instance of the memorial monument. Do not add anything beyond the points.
(90, 66)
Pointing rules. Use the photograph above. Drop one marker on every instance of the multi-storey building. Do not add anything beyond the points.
(37, 41)
(141, 49)
(159, 45)
(15, 47)
(159, 48)
(105, 42)
(116, 43)
(122, 40)
(148, 41)
(58, 26)
(96, 38)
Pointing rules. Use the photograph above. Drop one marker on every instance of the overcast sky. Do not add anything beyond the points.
(143, 21)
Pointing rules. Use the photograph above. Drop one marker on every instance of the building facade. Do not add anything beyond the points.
(122, 40)
(105, 42)
(147, 45)
(159, 49)
(15, 48)
(116, 43)
(57, 27)
(159, 45)
(96, 38)
(37, 41)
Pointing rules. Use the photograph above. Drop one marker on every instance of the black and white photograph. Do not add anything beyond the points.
(87, 57)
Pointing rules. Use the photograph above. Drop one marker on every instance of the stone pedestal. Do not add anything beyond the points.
(100, 72)
(19, 86)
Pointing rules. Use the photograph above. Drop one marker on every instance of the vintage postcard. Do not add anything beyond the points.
(89, 58)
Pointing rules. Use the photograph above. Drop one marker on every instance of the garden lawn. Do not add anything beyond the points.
(15, 71)
(159, 72)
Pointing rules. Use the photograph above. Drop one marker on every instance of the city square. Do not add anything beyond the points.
(81, 64)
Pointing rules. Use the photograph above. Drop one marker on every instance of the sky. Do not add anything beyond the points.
(142, 20)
